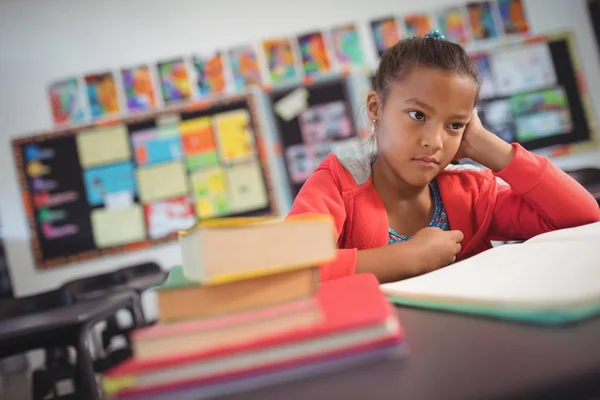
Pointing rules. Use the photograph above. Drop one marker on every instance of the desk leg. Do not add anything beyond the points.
(85, 368)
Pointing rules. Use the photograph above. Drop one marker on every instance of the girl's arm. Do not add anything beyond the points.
(540, 198)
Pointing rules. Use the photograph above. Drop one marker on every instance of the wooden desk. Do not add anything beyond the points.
(63, 326)
(459, 357)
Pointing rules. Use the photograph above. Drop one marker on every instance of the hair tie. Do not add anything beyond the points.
(435, 34)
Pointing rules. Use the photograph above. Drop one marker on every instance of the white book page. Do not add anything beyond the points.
(584, 232)
(545, 275)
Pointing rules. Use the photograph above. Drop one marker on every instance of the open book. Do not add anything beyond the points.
(551, 278)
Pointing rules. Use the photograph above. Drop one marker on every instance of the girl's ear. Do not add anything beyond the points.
(373, 106)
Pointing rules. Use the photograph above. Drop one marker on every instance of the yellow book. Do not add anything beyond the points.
(230, 249)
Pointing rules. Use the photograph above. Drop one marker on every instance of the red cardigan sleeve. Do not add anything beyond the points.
(321, 194)
(540, 198)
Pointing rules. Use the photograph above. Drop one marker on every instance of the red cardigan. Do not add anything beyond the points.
(539, 197)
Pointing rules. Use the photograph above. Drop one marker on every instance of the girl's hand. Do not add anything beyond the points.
(483, 147)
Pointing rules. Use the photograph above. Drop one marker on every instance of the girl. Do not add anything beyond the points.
(404, 213)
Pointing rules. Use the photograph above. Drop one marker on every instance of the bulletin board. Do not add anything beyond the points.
(132, 183)
(534, 93)
(312, 121)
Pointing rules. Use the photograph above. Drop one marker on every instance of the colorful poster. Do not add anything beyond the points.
(523, 68)
(65, 102)
(210, 192)
(385, 33)
(102, 182)
(300, 162)
(483, 23)
(347, 46)
(417, 25)
(174, 81)
(210, 75)
(102, 94)
(164, 218)
(280, 60)
(325, 122)
(453, 26)
(488, 88)
(541, 114)
(244, 67)
(234, 136)
(155, 145)
(246, 190)
(138, 88)
(314, 54)
(198, 141)
(513, 16)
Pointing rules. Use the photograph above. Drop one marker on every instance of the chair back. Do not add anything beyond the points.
(95, 286)
(43, 301)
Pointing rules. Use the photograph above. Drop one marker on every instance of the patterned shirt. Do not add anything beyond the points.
(439, 219)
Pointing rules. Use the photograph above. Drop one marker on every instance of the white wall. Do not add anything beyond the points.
(42, 40)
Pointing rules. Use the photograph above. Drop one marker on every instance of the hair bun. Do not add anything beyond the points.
(435, 34)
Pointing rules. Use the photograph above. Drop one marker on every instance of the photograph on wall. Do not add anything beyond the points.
(280, 60)
(167, 217)
(347, 46)
(541, 114)
(66, 102)
(488, 88)
(483, 22)
(244, 67)
(513, 16)
(138, 88)
(386, 33)
(325, 122)
(210, 74)
(198, 143)
(102, 94)
(453, 25)
(523, 68)
(174, 81)
(313, 51)
(417, 25)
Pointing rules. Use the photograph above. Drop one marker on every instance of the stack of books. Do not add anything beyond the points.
(247, 310)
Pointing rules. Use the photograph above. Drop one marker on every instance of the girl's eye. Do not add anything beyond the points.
(416, 115)
(456, 126)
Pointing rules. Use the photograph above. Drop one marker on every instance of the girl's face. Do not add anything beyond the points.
(420, 126)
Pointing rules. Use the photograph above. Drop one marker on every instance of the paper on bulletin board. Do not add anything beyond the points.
(234, 136)
(198, 142)
(169, 216)
(210, 192)
(313, 51)
(118, 227)
(138, 88)
(247, 190)
(103, 145)
(107, 180)
(293, 104)
(523, 69)
(325, 122)
(513, 16)
(156, 145)
(162, 181)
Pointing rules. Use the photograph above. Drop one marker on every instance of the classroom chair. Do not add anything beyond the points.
(142, 277)
(58, 365)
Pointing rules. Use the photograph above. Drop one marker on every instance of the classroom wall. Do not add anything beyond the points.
(41, 41)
